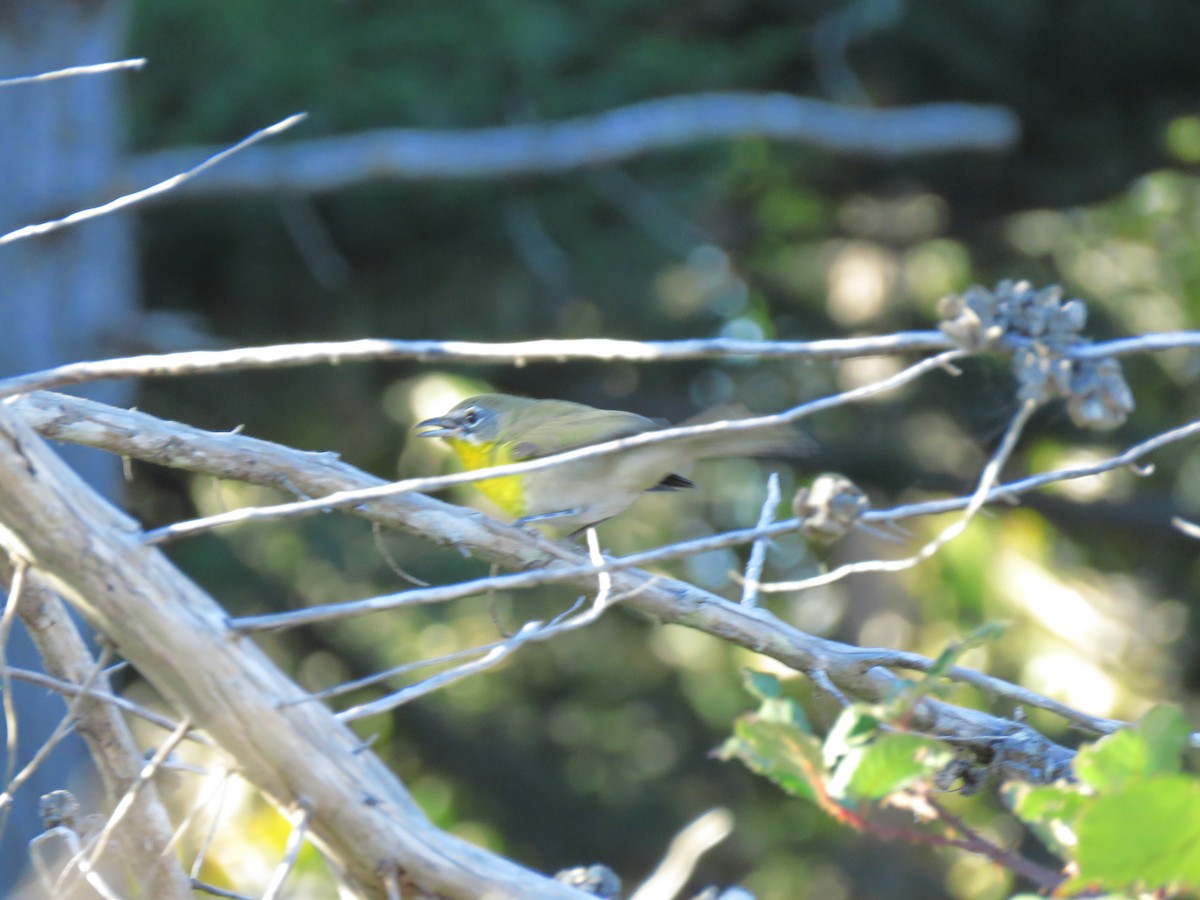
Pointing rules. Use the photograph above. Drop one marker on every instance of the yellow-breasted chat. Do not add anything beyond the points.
(495, 429)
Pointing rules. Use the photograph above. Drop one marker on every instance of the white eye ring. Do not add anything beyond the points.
(471, 417)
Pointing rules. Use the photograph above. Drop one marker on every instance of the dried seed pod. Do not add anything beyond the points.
(829, 508)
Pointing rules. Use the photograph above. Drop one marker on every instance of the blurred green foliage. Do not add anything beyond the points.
(1131, 824)
(595, 746)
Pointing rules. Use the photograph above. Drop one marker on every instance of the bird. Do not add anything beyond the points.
(495, 429)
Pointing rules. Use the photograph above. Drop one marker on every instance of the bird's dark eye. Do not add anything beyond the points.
(471, 417)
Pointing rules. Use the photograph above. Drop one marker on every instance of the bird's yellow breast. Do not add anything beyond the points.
(507, 492)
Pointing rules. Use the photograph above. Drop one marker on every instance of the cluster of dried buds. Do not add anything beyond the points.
(1044, 333)
(830, 508)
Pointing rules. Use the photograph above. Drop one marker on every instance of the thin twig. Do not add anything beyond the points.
(391, 884)
(64, 727)
(347, 687)
(520, 353)
(822, 680)
(530, 631)
(870, 657)
(442, 679)
(146, 193)
(390, 559)
(1044, 877)
(367, 680)
(758, 550)
(291, 853)
(71, 689)
(19, 566)
(1191, 529)
(98, 69)
(98, 845)
(987, 483)
(146, 437)
(217, 787)
(198, 885)
(343, 499)
(202, 362)
(1125, 460)
(677, 865)
(211, 834)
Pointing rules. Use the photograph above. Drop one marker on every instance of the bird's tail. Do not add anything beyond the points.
(774, 440)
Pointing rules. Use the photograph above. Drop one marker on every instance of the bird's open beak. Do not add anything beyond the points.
(438, 427)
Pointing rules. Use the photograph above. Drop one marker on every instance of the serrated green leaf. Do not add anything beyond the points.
(1042, 803)
(788, 757)
(893, 762)
(855, 727)
(1145, 835)
(1052, 812)
(1113, 760)
(762, 685)
(985, 633)
(1166, 733)
(931, 681)
(785, 712)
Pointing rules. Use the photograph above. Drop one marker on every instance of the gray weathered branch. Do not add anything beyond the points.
(1018, 750)
(604, 138)
(298, 755)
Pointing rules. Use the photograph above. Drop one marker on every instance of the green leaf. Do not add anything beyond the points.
(1052, 811)
(1113, 760)
(1166, 732)
(893, 762)
(855, 727)
(1049, 802)
(779, 752)
(785, 712)
(984, 634)
(930, 681)
(761, 684)
(1145, 835)
(1154, 746)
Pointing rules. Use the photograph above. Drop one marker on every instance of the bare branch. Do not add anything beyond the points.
(1142, 343)
(530, 631)
(618, 134)
(96, 715)
(64, 727)
(127, 801)
(70, 689)
(758, 551)
(141, 436)
(215, 891)
(15, 588)
(854, 671)
(155, 190)
(222, 791)
(292, 753)
(519, 353)
(987, 482)
(1126, 460)
(291, 853)
(73, 71)
(676, 867)
(354, 498)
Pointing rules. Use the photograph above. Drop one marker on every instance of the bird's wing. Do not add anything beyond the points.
(570, 432)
